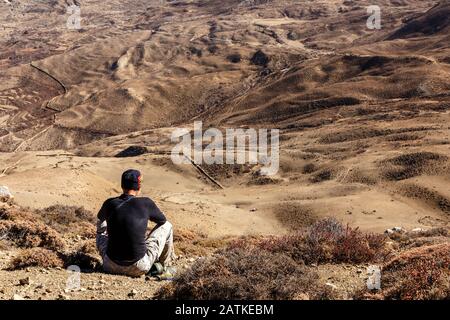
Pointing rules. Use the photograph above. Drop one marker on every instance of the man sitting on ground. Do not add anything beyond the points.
(121, 232)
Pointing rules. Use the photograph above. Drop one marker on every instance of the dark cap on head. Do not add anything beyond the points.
(131, 180)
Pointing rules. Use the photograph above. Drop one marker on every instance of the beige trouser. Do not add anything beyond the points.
(159, 249)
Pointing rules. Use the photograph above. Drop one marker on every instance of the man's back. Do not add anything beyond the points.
(127, 220)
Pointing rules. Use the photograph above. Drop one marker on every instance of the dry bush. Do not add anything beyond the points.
(43, 228)
(433, 232)
(249, 242)
(329, 241)
(262, 181)
(36, 230)
(323, 175)
(15, 214)
(245, 274)
(192, 243)
(226, 171)
(182, 235)
(361, 176)
(85, 229)
(413, 164)
(69, 219)
(86, 257)
(427, 195)
(418, 274)
(259, 180)
(30, 234)
(409, 236)
(409, 240)
(186, 243)
(352, 135)
(309, 168)
(326, 241)
(357, 247)
(36, 257)
(321, 239)
(67, 214)
(294, 246)
(4, 245)
(404, 137)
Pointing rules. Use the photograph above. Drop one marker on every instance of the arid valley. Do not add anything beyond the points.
(364, 126)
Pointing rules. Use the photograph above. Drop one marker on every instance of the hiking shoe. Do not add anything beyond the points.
(156, 269)
(168, 274)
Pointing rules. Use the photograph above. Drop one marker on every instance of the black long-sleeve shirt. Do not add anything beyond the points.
(127, 220)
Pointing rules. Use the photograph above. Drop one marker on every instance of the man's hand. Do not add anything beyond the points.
(102, 227)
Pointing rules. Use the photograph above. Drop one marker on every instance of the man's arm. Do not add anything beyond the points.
(156, 215)
(101, 238)
(101, 219)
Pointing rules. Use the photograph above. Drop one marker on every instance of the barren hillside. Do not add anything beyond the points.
(363, 114)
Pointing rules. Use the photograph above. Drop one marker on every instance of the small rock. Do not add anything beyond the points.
(359, 271)
(332, 286)
(24, 281)
(62, 297)
(5, 194)
(132, 293)
(17, 297)
(253, 209)
(395, 230)
(417, 230)
(292, 35)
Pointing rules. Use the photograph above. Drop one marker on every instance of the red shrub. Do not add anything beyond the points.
(36, 257)
(418, 274)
